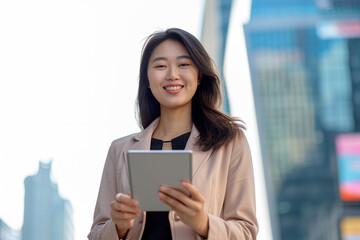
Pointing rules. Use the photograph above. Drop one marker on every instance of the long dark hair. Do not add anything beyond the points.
(215, 127)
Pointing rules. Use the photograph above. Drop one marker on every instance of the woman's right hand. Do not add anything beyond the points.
(124, 210)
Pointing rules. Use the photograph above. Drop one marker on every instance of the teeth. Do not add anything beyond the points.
(173, 88)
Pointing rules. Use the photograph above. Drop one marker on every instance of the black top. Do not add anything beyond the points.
(157, 225)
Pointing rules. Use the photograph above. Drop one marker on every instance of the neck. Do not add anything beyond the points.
(173, 123)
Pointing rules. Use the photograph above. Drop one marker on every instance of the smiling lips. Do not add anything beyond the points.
(173, 89)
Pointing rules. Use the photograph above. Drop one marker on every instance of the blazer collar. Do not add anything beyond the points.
(199, 157)
(143, 139)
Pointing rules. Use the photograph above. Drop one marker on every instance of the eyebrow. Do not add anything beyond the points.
(164, 58)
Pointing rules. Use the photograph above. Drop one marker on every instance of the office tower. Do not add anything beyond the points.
(46, 214)
(7, 233)
(304, 63)
(214, 36)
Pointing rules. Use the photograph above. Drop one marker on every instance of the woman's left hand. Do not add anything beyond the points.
(190, 209)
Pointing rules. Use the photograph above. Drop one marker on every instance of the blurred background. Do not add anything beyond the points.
(68, 82)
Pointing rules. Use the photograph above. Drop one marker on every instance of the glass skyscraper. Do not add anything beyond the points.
(304, 58)
(46, 214)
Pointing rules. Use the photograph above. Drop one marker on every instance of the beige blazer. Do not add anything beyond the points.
(223, 177)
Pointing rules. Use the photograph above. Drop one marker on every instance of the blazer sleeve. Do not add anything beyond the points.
(238, 220)
(103, 228)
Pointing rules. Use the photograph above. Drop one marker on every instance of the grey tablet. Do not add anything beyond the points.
(148, 169)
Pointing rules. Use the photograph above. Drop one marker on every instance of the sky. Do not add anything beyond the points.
(68, 82)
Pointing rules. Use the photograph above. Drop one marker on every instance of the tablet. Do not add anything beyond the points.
(148, 169)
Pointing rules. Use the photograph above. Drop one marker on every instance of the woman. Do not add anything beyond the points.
(178, 100)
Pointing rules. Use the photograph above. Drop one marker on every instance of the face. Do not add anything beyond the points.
(173, 77)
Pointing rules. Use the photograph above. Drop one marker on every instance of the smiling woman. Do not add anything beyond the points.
(179, 99)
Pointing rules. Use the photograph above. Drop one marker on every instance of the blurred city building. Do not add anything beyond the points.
(214, 35)
(304, 58)
(46, 214)
(7, 233)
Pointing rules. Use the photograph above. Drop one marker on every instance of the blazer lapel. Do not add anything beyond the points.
(199, 157)
(143, 139)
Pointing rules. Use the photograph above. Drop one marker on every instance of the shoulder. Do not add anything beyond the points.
(240, 164)
(123, 141)
(240, 137)
(238, 146)
(119, 146)
(238, 140)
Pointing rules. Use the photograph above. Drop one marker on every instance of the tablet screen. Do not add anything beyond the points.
(148, 169)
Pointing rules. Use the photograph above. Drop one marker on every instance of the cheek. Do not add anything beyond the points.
(154, 88)
(153, 84)
(154, 77)
(150, 80)
(150, 76)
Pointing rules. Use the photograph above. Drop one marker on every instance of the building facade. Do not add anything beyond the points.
(304, 62)
(46, 214)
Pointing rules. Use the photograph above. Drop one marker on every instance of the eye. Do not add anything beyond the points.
(184, 64)
(160, 66)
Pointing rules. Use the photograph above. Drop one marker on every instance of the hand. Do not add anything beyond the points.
(189, 209)
(124, 210)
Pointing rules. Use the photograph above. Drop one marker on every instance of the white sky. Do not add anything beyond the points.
(68, 82)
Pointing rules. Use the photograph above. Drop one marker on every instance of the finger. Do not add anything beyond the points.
(122, 198)
(195, 194)
(123, 215)
(189, 210)
(174, 204)
(120, 207)
(179, 201)
(174, 193)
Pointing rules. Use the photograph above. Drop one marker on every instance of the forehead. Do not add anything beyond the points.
(169, 48)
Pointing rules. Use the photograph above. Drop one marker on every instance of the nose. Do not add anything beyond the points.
(173, 73)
